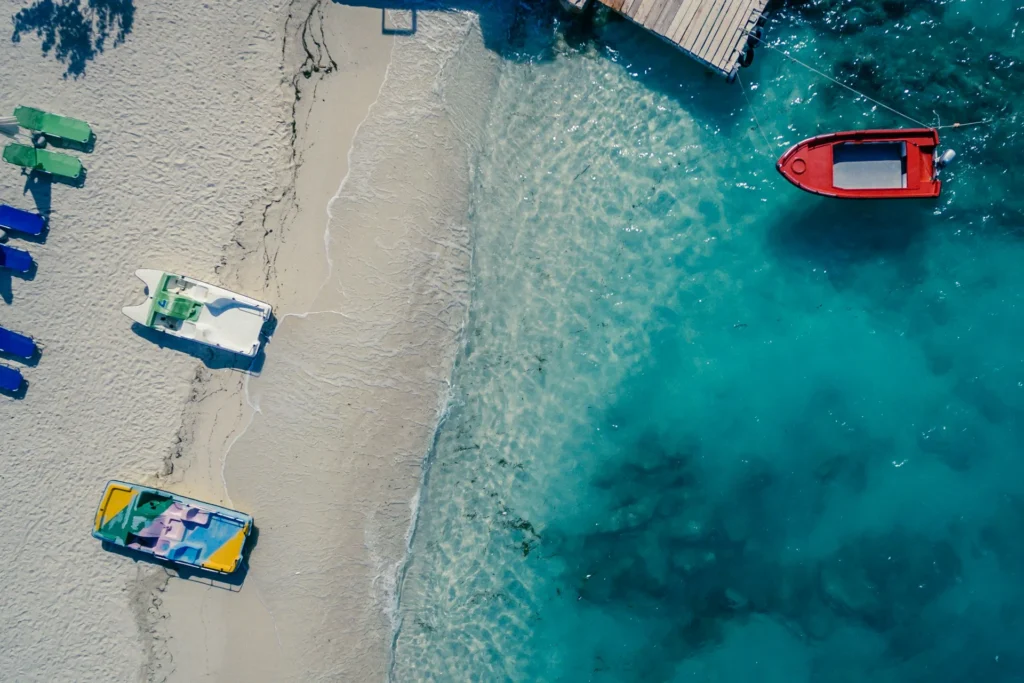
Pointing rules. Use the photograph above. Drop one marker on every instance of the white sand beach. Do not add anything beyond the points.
(340, 199)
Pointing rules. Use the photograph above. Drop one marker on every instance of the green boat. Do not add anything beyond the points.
(54, 163)
(54, 125)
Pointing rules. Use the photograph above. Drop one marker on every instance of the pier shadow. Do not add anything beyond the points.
(211, 357)
(390, 30)
(663, 68)
(508, 28)
(230, 582)
(75, 32)
(538, 31)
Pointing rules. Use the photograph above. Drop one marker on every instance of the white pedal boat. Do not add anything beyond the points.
(183, 307)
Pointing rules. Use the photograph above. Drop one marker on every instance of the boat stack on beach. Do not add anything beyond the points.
(170, 528)
(43, 128)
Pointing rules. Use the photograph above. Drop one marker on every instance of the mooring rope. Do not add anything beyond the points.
(854, 91)
(753, 114)
(938, 123)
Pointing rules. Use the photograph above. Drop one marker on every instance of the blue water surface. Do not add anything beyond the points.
(707, 427)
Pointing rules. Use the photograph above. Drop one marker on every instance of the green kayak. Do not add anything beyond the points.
(54, 163)
(53, 125)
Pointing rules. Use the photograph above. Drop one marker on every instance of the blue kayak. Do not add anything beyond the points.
(20, 220)
(10, 379)
(16, 344)
(15, 259)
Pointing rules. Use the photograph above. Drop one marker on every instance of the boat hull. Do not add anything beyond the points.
(865, 164)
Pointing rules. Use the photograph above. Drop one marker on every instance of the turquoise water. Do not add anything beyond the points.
(706, 427)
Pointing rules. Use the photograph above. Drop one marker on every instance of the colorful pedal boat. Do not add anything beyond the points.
(866, 164)
(172, 527)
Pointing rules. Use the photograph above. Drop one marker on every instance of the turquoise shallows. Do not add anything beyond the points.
(707, 427)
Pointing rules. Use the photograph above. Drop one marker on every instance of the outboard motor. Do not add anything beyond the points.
(945, 158)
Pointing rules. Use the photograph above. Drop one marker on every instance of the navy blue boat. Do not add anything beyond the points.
(20, 220)
(15, 259)
(17, 344)
(10, 379)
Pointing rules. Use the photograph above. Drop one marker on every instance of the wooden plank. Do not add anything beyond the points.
(728, 25)
(695, 14)
(697, 24)
(644, 10)
(616, 4)
(727, 41)
(682, 17)
(710, 24)
(629, 6)
(669, 13)
(668, 8)
(734, 47)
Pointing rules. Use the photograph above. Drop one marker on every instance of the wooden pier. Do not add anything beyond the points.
(714, 32)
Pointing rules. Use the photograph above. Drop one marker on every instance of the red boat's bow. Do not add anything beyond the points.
(865, 164)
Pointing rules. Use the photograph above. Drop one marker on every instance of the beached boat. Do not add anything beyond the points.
(183, 307)
(866, 164)
(172, 527)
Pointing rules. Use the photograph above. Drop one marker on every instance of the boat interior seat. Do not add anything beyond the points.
(869, 165)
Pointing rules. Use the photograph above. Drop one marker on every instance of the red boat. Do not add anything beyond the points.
(866, 164)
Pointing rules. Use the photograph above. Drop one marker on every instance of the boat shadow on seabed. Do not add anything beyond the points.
(230, 582)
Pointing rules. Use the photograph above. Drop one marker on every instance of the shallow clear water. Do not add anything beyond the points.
(707, 427)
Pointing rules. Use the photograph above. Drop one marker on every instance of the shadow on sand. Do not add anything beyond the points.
(213, 358)
(506, 27)
(538, 31)
(231, 582)
(26, 362)
(7, 280)
(75, 31)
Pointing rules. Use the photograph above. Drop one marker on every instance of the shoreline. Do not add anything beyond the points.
(346, 209)
(373, 346)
